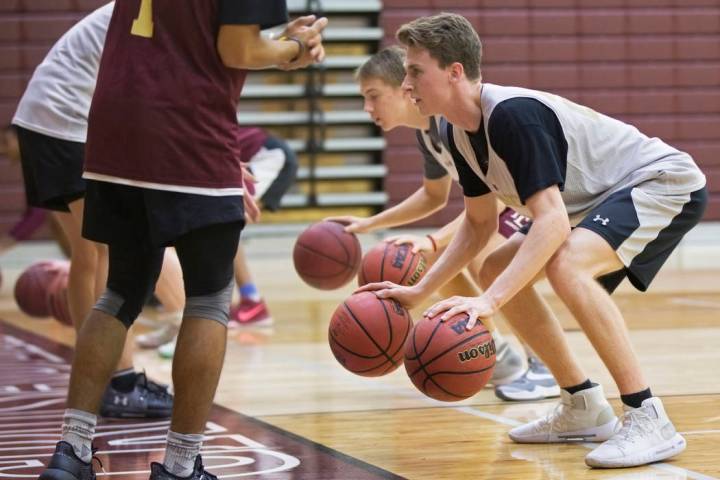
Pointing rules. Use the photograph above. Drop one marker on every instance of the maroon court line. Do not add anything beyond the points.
(34, 372)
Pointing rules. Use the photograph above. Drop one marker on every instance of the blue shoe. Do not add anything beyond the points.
(536, 384)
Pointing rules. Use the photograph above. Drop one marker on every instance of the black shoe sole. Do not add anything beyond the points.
(56, 474)
(125, 414)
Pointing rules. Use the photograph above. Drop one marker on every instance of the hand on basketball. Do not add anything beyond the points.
(475, 307)
(352, 224)
(408, 297)
(419, 244)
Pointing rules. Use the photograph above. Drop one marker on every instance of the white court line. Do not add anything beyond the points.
(692, 302)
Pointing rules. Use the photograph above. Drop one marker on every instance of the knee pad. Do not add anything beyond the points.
(124, 309)
(214, 306)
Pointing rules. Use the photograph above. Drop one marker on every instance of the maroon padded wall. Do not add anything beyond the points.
(28, 28)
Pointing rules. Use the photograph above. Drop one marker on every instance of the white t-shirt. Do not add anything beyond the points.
(57, 99)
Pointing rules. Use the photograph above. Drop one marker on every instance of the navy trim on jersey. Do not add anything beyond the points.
(266, 13)
(472, 185)
(528, 136)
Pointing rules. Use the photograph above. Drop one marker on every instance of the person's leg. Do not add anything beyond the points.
(206, 256)
(572, 272)
(171, 293)
(252, 309)
(530, 316)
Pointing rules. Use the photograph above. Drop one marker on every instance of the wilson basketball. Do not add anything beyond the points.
(326, 256)
(367, 334)
(57, 298)
(445, 361)
(396, 263)
(31, 288)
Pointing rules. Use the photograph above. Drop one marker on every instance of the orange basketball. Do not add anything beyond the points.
(367, 334)
(326, 256)
(57, 298)
(396, 263)
(31, 287)
(446, 361)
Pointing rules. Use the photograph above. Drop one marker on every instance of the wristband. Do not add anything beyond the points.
(432, 240)
(301, 46)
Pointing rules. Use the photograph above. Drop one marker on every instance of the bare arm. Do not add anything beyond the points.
(426, 200)
(550, 228)
(475, 228)
(244, 47)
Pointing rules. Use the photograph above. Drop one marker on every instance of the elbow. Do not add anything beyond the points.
(234, 57)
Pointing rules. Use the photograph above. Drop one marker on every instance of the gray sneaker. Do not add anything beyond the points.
(537, 383)
(508, 364)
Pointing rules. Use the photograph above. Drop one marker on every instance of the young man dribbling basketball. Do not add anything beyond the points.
(390, 107)
(607, 202)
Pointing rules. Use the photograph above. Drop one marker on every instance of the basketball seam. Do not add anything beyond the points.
(362, 327)
(463, 342)
(342, 245)
(431, 379)
(324, 255)
(407, 270)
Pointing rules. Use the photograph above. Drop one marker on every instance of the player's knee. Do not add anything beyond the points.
(125, 308)
(566, 266)
(214, 306)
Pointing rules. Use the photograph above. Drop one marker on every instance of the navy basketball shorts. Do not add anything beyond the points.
(643, 227)
(52, 170)
(138, 223)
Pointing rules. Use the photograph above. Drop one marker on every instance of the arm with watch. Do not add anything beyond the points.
(244, 46)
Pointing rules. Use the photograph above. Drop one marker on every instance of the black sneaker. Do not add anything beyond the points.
(65, 465)
(147, 400)
(158, 472)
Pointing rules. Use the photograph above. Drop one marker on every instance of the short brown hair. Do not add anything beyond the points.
(386, 65)
(448, 37)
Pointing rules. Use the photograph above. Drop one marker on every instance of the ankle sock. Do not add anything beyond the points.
(78, 429)
(580, 387)
(635, 400)
(250, 292)
(180, 453)
(124, 380)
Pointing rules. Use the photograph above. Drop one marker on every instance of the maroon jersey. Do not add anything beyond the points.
(252, 140)
(164, 109)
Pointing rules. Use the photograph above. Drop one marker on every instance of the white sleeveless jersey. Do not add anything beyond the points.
(604, 155)
(57, 99)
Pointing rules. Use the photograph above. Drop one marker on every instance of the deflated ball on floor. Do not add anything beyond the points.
(31, 287)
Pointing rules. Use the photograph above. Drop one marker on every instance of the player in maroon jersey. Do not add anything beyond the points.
(162, 164)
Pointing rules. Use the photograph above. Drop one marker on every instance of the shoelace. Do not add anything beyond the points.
(153, 388)
(94, 450)
(555, 418)
(634, 425)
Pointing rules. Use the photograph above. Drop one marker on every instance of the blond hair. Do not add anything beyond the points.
(386, 65)
(448, 38)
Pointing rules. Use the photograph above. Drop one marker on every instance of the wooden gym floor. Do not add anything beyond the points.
(301, 416)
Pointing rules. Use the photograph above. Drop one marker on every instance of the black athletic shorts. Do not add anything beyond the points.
(52, 170)
(116, 213)
(643, 227)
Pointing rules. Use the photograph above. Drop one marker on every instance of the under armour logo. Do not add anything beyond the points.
(604, 221)
(121, 400)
